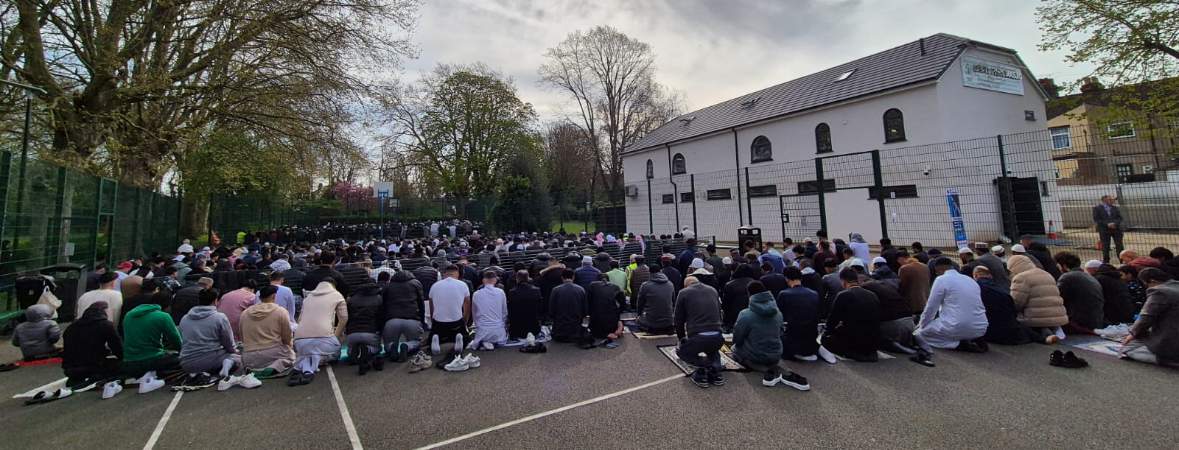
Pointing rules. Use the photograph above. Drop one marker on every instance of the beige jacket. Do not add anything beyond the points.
(1036, 297)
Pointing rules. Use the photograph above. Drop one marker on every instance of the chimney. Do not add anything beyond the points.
(921, 42)
(1091, 84)
(1050, 88)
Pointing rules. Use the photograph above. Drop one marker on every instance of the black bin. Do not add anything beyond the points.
(71, 284)
(748, 234)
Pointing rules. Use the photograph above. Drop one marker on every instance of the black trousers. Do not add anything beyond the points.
(1105, 238)
(710, 346)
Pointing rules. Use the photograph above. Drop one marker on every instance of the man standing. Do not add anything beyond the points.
(1108, 220)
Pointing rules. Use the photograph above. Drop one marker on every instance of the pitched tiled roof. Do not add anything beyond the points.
(892, 68)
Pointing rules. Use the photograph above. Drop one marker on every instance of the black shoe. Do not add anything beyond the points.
(1056, 358)
(308, 377)
(364, 368)
(402, 352)
(1071, 361)
(771, 377)
(982, 343)
(969, 347)
(714, 377)
(923, 359)
(796, 381)
(295, 379)
(378, 364)
(700, 377)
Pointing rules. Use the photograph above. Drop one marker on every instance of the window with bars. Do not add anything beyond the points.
(823, 139)
(894, 126)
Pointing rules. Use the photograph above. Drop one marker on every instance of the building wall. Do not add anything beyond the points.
(969, 113)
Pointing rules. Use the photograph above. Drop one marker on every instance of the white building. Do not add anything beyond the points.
(763, 149)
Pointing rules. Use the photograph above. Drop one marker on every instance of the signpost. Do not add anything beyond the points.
(383, 190)
(956, 218)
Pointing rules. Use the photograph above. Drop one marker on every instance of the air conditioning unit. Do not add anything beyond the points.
(1147, 169)
(632, 191)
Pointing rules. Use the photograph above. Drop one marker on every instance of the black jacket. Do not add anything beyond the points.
(313, 278)
(523, 308)
(774, 282)
(734, 298)
(427, 276)
(1118, 306)
(184, 300)
(293, 279)
(365, 312)
(1042, 254)
(568, 305)
(404, 298)
(1002, 326)
(892, 305)
(88, 341)
(605, 301)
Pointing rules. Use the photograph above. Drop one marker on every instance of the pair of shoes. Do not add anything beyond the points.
(307, 378)
(195, 383)
(378, 364)
(700, 377)
(796, 381)
(247, 381)
(46, 397)
(534, 348)
(462, 363)
(420, 362)
(827, 355)
(148, 384)
(715, 378)
(364, 368)
(923, 359)
(970, 347)
(1067, 360)
(111, 389)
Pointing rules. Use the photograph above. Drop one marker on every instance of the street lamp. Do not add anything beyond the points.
(24, 149)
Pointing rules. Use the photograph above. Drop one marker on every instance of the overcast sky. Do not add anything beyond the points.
(714, 50)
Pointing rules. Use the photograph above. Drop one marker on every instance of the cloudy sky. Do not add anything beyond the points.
(713, 50)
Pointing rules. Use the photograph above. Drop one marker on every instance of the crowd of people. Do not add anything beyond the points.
(229, 316)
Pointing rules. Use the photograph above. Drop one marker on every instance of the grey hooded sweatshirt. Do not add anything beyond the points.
(656, 298)
(207, 340)
(37, 335)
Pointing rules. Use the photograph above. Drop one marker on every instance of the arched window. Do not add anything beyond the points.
(894, 126)
(650, 169)
(823, 139)
(761, 150)
(677, 165)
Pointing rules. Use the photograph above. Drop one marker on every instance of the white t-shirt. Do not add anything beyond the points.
(446, 299)
(113, 299)
(489, 305)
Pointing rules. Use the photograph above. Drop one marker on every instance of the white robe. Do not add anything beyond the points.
(489, 306)
(954, 312)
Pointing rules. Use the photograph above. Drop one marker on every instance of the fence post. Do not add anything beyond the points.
(1007, 202)
(822, 197)
(136, 249)
(55, 226)
(650, 210)
(878, 180)
(5, 172)
(748, 201)
(692, 181)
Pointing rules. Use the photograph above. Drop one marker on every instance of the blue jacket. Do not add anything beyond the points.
(801, 310)
(774, 260)
(585, 275)
(756, 334)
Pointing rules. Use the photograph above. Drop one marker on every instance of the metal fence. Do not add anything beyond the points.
(993, 189)
(54, 215)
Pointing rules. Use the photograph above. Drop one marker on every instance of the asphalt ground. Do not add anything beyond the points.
(1009, 398)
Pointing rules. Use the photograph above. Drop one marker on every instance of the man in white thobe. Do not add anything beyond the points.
(954, 317)
(489, 306)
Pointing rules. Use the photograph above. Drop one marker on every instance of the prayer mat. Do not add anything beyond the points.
(645, 335)
(39, 362)
(629, 317)
(669, 352)
(46, 388)
(1095, 344)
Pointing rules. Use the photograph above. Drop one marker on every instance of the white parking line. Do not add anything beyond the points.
(155, 435)
(549, 413)
(348, 425)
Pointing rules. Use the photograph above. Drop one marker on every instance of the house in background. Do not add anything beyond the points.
(1093, 144)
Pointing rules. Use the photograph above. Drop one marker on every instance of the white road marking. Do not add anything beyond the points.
(549, 413)
(351, 427)
(155, 435)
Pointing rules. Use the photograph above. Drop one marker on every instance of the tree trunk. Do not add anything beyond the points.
(194, 217)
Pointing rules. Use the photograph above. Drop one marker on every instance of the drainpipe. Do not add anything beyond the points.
(737, 167)
(675, 190)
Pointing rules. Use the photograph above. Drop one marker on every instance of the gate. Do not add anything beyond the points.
(843, 198)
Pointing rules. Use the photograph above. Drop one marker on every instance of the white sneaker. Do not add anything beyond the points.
(473, 361)
(827, 355)
(458, 365)
(810, 358)
(771, 383)
(228, 382)
(111, 389)
(488, 346)
(248, 381)
(435, 346)
(149, 384)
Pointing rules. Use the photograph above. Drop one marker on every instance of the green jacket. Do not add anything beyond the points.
(618, 278)
(147, 332)
(757, 333)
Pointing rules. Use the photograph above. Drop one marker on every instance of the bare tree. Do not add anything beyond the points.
(611, 78)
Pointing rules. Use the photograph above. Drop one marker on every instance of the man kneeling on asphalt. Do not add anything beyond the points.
(209, 346)
(757, 342)
(954, 317)
(698, 325)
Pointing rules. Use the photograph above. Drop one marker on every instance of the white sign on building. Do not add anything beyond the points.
(991, 75)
